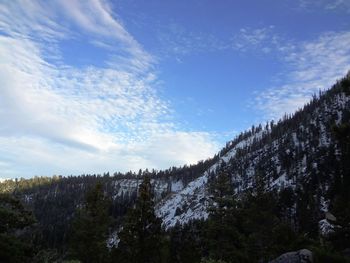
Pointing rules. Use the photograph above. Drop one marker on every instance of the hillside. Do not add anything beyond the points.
(54, 199)
(304, 155)
(300, 152)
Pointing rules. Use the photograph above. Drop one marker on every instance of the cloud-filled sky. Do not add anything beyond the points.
(95, 86)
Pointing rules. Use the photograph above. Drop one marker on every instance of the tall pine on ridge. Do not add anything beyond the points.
(224, 239)
(90, 228)
(140, 238)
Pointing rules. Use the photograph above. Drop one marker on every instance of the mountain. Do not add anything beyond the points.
(299, 152)
(304, 155)
(54, 200)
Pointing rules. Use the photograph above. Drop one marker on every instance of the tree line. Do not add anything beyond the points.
(252, 227)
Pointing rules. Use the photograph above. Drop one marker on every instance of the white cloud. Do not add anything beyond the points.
(57, 118)
(26, 21)
(34, 156)
(175, 40)
(188, 146)
(95, 16)
(259, 40)
(328, 5)
(311, 66)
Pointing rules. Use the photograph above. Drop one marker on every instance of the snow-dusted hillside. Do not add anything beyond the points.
(292, 153)
(192, 201)
(129, 186)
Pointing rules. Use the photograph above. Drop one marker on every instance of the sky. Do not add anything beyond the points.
(103, 86)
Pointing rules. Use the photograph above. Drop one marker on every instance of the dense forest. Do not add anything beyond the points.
(275, 188)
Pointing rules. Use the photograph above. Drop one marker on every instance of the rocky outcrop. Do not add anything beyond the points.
(300, 256)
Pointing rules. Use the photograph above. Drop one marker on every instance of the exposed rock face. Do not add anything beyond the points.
(301, 256)
(330, 217)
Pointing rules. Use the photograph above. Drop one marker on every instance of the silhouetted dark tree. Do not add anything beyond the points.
(140, 238)
(90, 228)
(14, 223)
(225, 242)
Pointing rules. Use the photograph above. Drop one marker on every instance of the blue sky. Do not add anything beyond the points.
(95, 86)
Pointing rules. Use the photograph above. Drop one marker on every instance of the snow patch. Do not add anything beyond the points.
(177, 186)
(192, 201)
(325, 227)
(189, 203)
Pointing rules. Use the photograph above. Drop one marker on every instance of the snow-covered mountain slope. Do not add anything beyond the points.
(189, 203)
(192, 201)
(296, 153)
(129, 186)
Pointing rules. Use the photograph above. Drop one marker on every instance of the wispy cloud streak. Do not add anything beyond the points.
(61, 118)
(327, 5)
(310, 67)
(259, 40)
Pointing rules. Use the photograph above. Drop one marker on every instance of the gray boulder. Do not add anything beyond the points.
(300, 256)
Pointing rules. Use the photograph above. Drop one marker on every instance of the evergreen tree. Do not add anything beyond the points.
(224, 240)
(265, 233)
(140, 238)
(341, 202)
(90, 228)
(14, 220)
(186, 242)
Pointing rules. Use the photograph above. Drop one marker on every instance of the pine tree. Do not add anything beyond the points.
(186, 242)
(90, 228)
(140, 238)
(14, 219)
(224, 240)
(341, 202)
(266, 235)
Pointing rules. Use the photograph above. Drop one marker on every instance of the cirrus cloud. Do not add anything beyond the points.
(310, 66)
(59, 118)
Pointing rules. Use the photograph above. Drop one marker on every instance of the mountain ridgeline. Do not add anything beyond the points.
(298, 165)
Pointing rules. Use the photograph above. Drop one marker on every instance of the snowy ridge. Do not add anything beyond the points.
(192, 201)
(242, 144)
(284, 160)
(128, 186)
(325, 227)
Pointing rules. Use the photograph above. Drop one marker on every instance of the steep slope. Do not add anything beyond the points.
(299, 152)
(191, 202)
